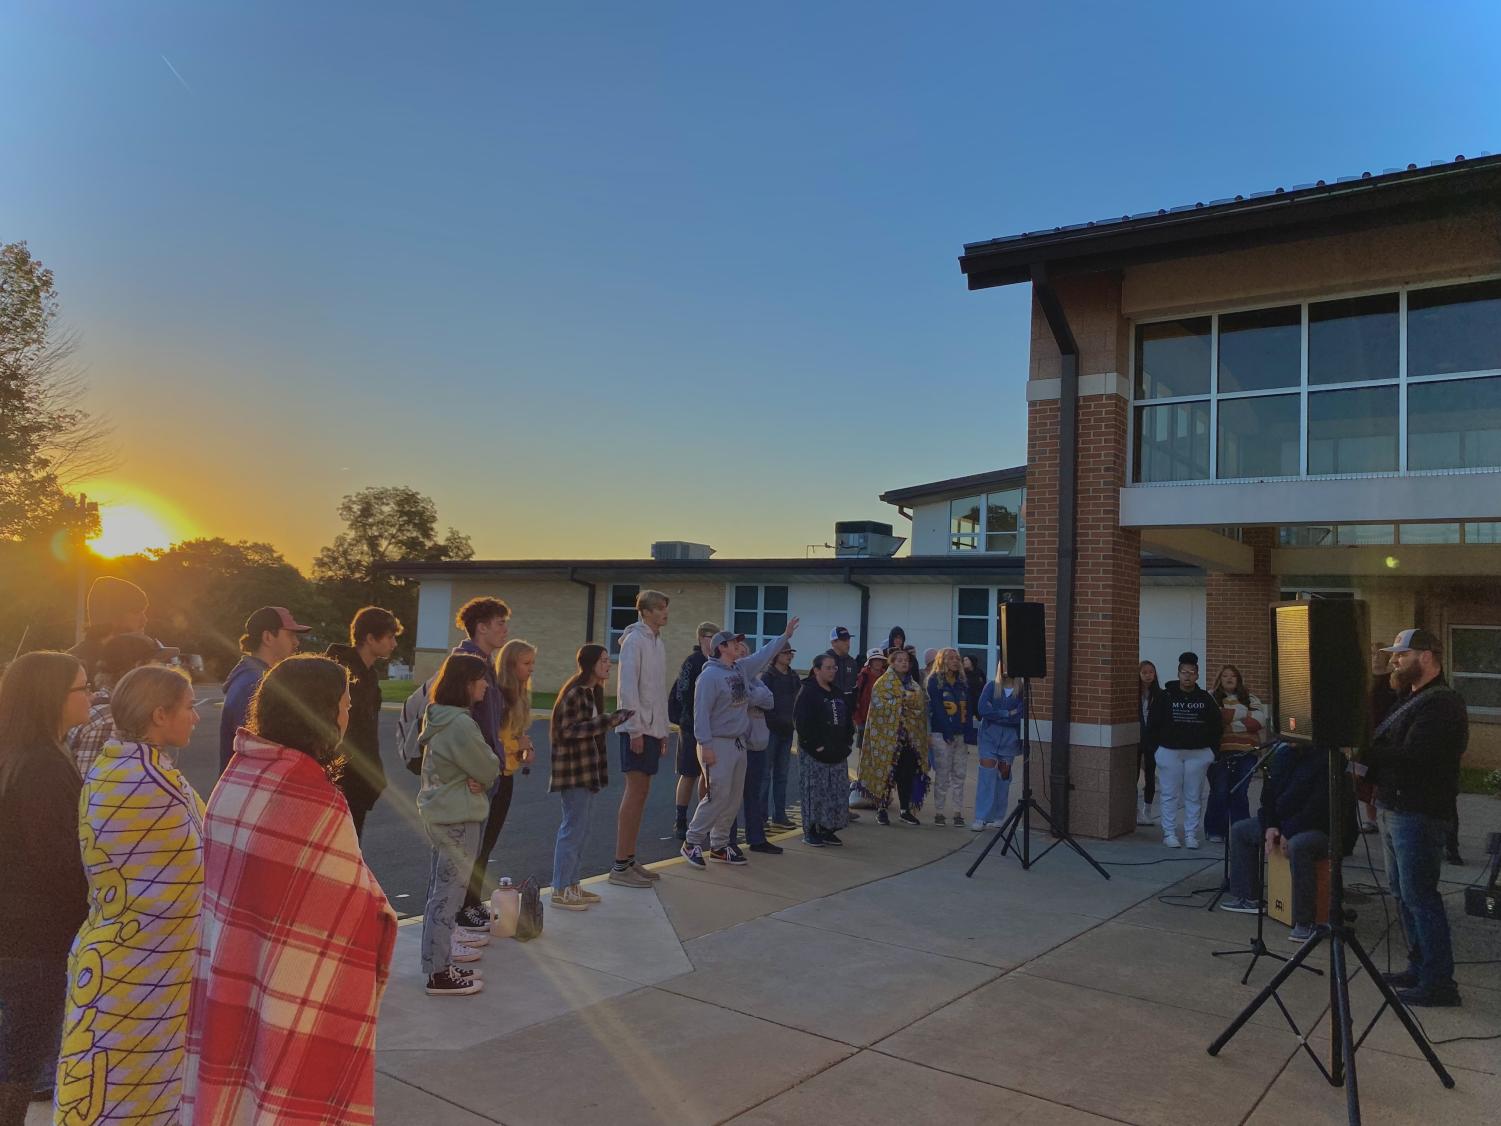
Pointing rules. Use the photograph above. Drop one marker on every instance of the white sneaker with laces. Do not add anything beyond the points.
(1170, 842)
(976, 826)
(1190, 842)
(461, 953)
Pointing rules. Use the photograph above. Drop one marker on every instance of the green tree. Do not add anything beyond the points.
(47, 440)
(384, 524)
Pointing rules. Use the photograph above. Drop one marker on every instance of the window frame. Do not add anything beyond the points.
(1455, 673)
(1302, 388)
(993, 621)
(612, 635)
(760, 637)
(981, 536)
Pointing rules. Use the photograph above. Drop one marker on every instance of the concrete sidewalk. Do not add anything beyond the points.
(874, 983)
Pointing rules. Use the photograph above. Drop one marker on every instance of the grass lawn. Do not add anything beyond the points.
(1472, 780)
(397, 691)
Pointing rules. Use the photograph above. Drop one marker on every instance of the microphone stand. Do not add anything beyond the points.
(1229, 824)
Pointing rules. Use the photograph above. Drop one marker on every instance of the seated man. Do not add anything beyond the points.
(1294, 820)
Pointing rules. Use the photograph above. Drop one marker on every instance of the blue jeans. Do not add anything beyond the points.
(1304, 851)
(568, 853)
(753, 812)
(774, 785)
(453, 851)
(1414, 845)
(1225, 807)
(992, 792)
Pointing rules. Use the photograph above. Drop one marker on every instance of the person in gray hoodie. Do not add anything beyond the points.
(721, 723)
(642, 694)
(458, 767)
(271, 636)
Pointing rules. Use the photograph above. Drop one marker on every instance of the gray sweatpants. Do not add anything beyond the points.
(717, 810)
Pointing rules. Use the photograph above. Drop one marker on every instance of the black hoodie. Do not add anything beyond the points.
(1185, 721)
(825, 727)
(364, 776)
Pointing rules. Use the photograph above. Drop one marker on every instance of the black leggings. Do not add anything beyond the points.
(1146, 758)
(904, 770)
(500, 805)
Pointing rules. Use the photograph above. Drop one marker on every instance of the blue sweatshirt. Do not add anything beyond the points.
(1001, 719)
(721, 697)
(948, 707)
(239, 687)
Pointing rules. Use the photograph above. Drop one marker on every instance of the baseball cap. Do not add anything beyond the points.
(875, 653)
(706, 629)
(125, 651)
(272, 618)
(724, 637)
(1411, 640)
(839, 633)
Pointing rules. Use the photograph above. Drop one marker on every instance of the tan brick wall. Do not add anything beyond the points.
(1093, 304)
(1427, 251)
(1237, 623)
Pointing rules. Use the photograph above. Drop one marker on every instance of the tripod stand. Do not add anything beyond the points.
(1021, 817)
(1343, 1043)
(1245, 783)
(1257, 947)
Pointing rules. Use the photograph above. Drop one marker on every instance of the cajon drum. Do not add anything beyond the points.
(1279, 890)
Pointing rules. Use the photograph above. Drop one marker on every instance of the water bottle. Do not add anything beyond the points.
(505, 908)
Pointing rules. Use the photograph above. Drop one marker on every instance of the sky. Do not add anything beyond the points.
(595, 275)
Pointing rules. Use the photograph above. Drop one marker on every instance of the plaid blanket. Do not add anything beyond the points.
(295, 950)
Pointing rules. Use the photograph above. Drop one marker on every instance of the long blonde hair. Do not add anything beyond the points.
(516, 693)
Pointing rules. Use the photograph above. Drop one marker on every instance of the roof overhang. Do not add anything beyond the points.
(1321, 209)
(957, 486)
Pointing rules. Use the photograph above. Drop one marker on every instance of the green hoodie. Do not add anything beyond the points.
(454, 751)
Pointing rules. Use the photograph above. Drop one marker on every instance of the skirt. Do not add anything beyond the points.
(825, 793)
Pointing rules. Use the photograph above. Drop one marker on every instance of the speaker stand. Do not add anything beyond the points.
(1020, 818)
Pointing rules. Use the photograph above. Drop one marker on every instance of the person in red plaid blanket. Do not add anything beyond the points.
(297, 935)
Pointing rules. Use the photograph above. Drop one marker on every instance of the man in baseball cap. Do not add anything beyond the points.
(1413, 761)
(846, 667)
(271, 635)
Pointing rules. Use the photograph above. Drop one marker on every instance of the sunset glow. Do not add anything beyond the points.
(132, 521)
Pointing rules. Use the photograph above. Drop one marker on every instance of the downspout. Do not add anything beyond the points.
(864, 610)
(1068, 539)
(588, 605)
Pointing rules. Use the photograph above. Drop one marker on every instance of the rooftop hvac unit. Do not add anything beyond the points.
(865, 539)
(667, 550)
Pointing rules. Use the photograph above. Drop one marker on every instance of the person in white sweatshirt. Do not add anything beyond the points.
(642, 692)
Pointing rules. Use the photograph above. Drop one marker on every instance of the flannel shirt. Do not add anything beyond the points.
(294, 954)
(579, 757)
(88, 738)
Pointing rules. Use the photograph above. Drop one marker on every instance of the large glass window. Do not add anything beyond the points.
(1261, 350)
(1428, 533)
(1321, 388)
(1453, 329)
(1454, 424)
(1259, 437)
(1475, 665)
(1172, 359)
(1353, 341)
(1172, 442)
(622, 612)
(994, 522)
(1353, 431)
(977, 630)
(760, 612)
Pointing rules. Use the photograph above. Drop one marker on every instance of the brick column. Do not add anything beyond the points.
(1237, 623)
(1107, 587)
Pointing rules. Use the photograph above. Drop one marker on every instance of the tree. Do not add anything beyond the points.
(384, 524)
(47, 440)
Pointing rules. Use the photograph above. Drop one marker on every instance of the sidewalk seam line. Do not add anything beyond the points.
(435, 1095)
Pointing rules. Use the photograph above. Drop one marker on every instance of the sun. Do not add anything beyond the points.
(132, 521)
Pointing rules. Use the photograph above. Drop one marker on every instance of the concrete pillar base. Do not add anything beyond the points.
(1103, 800)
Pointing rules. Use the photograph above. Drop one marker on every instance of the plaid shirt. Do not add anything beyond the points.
(294, 955)
(88, 738)
(579, 757)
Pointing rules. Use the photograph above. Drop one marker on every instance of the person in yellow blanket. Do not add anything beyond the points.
(130, 971)
(896, 740)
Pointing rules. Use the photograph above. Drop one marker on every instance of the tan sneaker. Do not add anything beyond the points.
(644, 871)
(586, 895)
(569, 899)
(630, 878)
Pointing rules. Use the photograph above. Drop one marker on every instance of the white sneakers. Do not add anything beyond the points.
(1190, 842)
(1170, 842)
(1143, 812)
(976, 826)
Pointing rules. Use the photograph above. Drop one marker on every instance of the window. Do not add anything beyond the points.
(1321, 388)
(1488, 532)
(759, 612)
(1003, 531)
(1337, 535)
(1475, 666)
(622, 612)
(1429, 533)
(977, 631)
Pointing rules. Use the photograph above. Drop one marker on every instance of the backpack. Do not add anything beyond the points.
(409, 728)
(529, 918)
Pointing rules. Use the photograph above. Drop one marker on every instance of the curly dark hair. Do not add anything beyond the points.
(297, 706)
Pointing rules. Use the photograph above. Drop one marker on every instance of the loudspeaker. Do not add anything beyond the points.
(1321, 672)
(1024, 647)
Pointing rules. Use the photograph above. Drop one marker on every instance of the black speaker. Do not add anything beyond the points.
(1024, 644)
(1321, 672)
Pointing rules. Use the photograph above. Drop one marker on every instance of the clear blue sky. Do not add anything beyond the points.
(593, 275)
